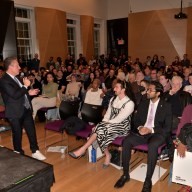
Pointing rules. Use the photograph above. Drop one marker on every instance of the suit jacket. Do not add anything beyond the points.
(163, 117)
(184, 99)
(13, 96)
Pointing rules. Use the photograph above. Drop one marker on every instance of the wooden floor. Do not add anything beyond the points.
(73, 175)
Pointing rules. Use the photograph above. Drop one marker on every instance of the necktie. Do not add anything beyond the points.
(149, 123)
(26, 103)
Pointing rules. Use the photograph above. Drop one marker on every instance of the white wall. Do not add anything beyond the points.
(95, 8)
(117, 9)
(105, 9)
(121, 8)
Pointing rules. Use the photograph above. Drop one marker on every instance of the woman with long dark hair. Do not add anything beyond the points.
(116, 122)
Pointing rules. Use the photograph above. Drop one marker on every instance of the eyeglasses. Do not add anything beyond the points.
(150, 90)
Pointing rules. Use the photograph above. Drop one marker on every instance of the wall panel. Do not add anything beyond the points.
(189, 34)
(157, 32)
(87, 36)
(51, 26)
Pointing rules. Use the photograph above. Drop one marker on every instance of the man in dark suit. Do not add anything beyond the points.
(18, 108)
(35, 62)
(153, 124)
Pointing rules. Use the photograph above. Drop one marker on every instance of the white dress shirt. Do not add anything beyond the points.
(154, 112)
(123, 114)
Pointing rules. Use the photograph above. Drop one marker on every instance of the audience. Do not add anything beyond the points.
(116, 74)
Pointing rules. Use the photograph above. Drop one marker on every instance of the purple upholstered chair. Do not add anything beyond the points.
(118, 142)
(55, 127)
(85, 132)
(2, 115)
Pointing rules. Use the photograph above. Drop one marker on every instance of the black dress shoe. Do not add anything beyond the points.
(121, 182)
(147, 186)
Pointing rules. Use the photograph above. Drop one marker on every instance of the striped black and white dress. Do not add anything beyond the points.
(115, 123)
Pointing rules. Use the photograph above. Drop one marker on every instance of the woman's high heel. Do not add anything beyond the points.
(76, 157)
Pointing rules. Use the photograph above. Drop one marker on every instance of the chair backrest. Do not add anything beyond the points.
(68, 109)
(91, 113)
(2, 115)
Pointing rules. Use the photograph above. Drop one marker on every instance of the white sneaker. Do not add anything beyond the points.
(38, 155)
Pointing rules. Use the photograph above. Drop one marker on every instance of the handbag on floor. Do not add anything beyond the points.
(73, 124)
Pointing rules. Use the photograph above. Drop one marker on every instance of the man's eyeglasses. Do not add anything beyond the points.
(150, 90)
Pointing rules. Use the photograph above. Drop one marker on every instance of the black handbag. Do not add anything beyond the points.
(72, 125)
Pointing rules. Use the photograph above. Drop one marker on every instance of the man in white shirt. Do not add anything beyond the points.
(153, 124)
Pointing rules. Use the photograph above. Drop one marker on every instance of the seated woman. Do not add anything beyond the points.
(165, 81)
(93, 95)
(182, 148)
(88, 83)
(73, 87)
(48, 99)
(115, 123)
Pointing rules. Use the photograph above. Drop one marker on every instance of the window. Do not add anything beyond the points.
(24, 32)
(97, 39)
(71, 37)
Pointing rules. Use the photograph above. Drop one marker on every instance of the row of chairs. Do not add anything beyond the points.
(89, 113)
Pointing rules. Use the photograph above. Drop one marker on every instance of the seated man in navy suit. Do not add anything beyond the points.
(153, 124)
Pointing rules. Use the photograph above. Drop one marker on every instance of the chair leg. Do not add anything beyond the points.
(45, 144)
(121, 154)
(67, 143)
(159, 163)
(63, 135)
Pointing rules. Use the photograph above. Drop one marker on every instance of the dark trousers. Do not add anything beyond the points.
(27, 122)
(153, 140)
